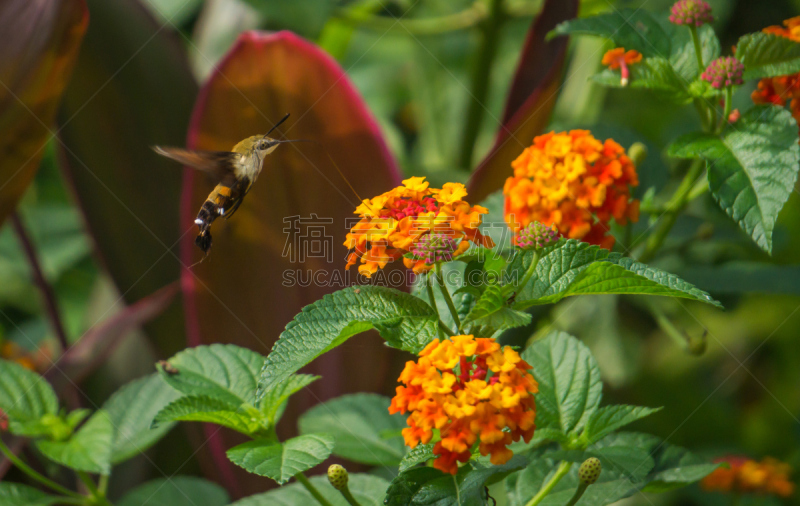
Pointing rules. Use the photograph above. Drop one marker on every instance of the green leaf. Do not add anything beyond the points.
(752, 167)
(569, 382)
(281, 461)
(492, 311)
(368, 490)
(89, 449)
(200, 408)
(767, 55)
(176, 491)
(607, 419)
(417, 455)
(405, 321)
(16, 494)
(362, 426)
(422, 486)
(676, 467)
(131, 410)
(25, 397)
(683, 57)
(655, 74)
(273, 402)
(573, 267)
(224, 371)
(628, 28)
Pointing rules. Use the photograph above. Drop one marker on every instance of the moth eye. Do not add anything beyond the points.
(263, 145)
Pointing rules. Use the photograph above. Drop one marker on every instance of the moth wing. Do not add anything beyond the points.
(217, 164)
(245, 185)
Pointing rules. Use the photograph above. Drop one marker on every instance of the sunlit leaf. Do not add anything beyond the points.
(767, 55)
(89, 449)
(403, 320)
(530, 100)
(493, 311)
(282, 460)
(752, 167)
(25, 397)
(362, 427)
(273, 402)
(131, 79)
(417, 455)
(610, 418)
(40, 44)
(368, 490)
(176, 491)
(201, 408)
(131, 410)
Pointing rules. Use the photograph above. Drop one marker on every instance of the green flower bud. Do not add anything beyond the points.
(637, 153)
(338, 476)
(590, 471)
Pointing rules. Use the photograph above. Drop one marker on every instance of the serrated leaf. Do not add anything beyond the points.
(88, 449)
(368, 490)
(610, 418)
(684, 58)
(16, 494)
(767, 55)
(362, 427)
(573, 267)
(630, 461)
(491, 310)
(676, 467)
(422, 486)
(569, 382)
(25, 397)
(199, 408)
(281, 461)
(417, 455)
(628, 28)
(655, 74)
(176, 491)
(131, 410)
(752, 167)
(273, 402)
(223, 371)
(405, 321)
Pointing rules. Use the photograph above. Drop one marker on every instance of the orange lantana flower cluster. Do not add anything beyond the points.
(393, 223)
(575, 182)
(472, 391)
(743, 475)
(781, 89)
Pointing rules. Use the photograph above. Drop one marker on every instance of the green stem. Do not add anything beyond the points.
(97, 497)
(301, 478)
(578, 494)
(727, 112)
(563, 469)
(698, 48)
(102, 485)
(529, 272)
(25, 468)
(349, 497)
(444, 330)
(673, 208)
(479, 89)
(447, 298)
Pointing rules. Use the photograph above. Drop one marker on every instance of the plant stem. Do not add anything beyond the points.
(578, 494)
(698, 49)
(727, 111)
(479, 89)
(349, 497)
(25, 468)
(529, 272)
(447, 298)
(102, 485)
(301, 478)
(444, 330)
(563, 469)
(673, 208)
(38, 276)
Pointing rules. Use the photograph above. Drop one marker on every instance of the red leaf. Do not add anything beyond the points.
(40, 43)
(132, 89)
(239, 293)
(530, 100)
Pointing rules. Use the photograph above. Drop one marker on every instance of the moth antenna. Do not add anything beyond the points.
(277, 124)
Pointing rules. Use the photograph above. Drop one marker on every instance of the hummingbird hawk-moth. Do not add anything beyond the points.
(234, 172)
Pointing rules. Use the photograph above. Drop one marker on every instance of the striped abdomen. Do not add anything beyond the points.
(222, 201)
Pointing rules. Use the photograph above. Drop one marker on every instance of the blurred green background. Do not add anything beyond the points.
(741, 396)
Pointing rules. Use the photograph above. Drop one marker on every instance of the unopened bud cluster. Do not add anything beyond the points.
(691, 13)
(433, 247)
(338, 476)
(536, 235)
(589, 471)
(724, 72)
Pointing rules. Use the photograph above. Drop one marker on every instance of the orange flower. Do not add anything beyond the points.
(781, 89)
(575, 182)
(743, 475)
(429, 224)
(618, 58)
(473, 391)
